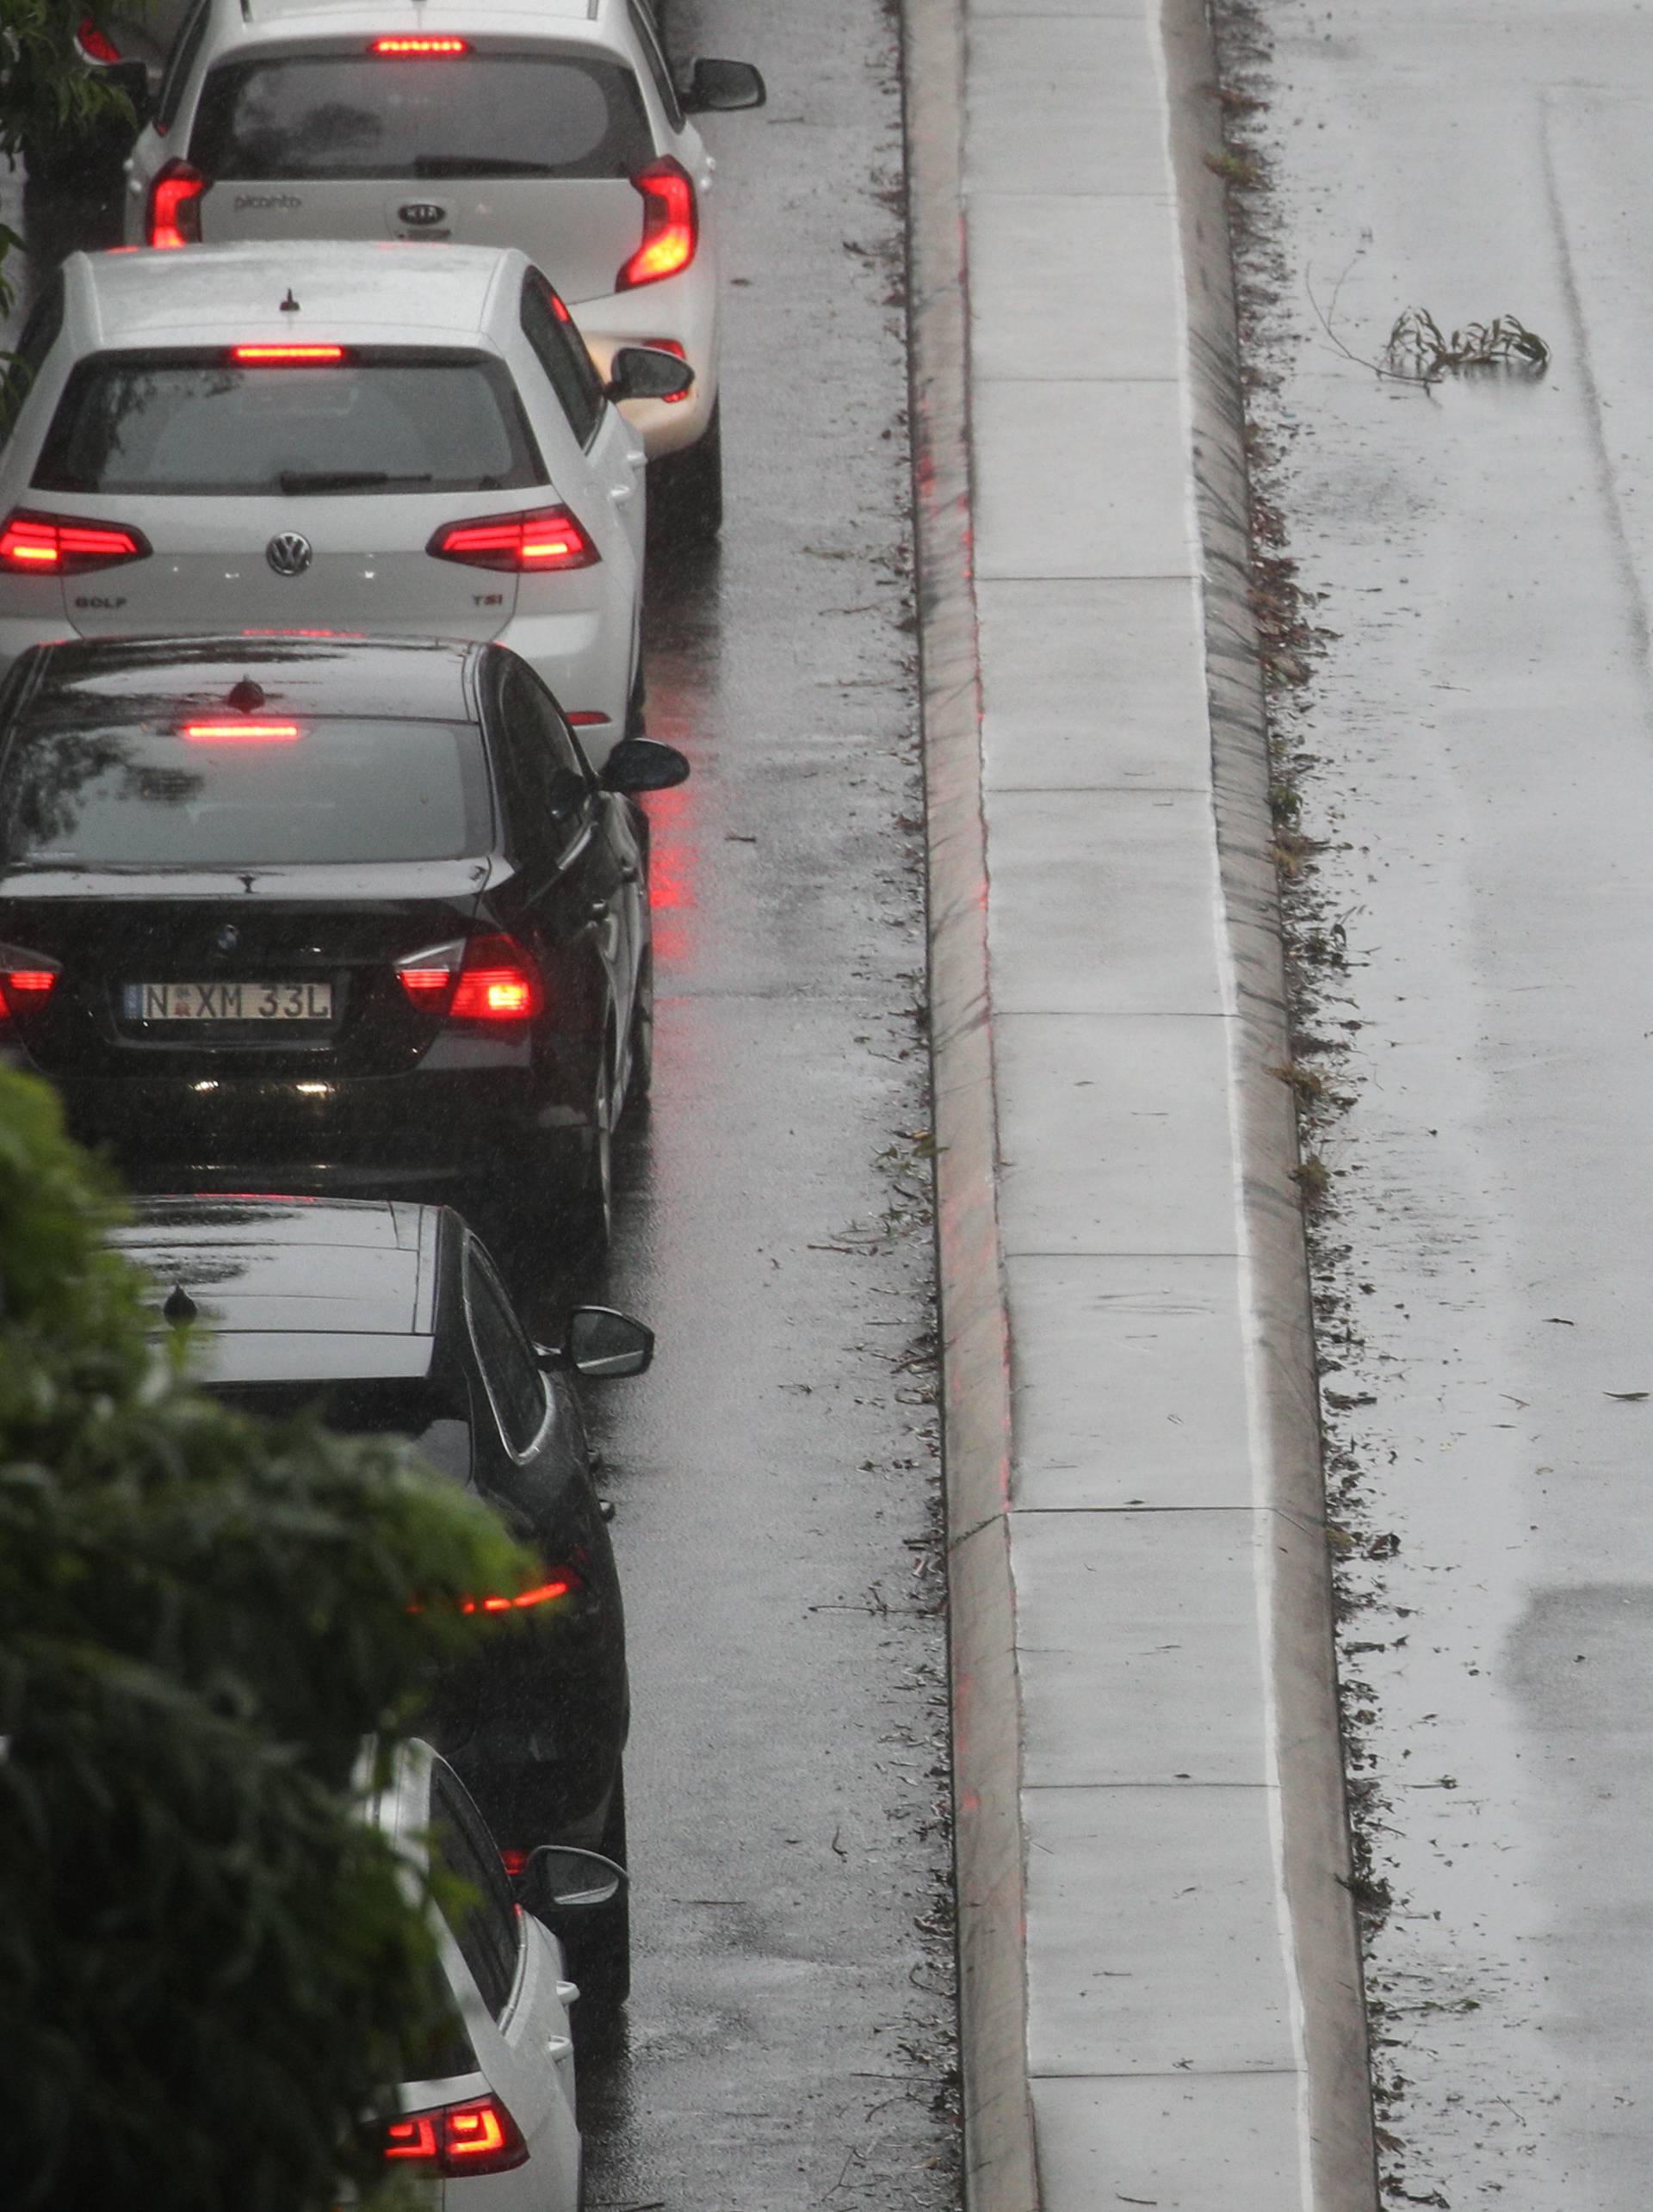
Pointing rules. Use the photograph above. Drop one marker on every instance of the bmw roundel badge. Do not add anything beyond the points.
(227, 938)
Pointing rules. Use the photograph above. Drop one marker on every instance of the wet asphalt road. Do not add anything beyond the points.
(775, 1477)
(1480, 767)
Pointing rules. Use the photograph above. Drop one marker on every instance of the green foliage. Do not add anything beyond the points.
(45, 89)
(209, 1969)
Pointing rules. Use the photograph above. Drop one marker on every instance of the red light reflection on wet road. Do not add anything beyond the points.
(673, 871)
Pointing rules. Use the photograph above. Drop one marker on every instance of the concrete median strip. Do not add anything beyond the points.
(1159, 1968)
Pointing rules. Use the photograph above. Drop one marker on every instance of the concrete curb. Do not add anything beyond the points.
(998, 2151)
(1314, 1810)
(1338, 2156)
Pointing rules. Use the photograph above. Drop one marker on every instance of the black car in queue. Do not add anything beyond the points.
(389, 1318)
(327, 915)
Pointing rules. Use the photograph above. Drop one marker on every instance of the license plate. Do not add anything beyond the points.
(227, 1002)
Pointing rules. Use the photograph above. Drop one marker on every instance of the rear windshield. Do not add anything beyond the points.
(433, 1416)
(385, 419)
(341, 791)
(356, 114)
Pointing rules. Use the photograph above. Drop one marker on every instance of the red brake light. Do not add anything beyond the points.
(56, 544)
(265, 356)
(174, 205)
(549, 538)
(27, 980)
(478, 2136)
(545, 1593)
(488, 979)
(427, 47)
(96, 45)
(671, 225)
(241, 733)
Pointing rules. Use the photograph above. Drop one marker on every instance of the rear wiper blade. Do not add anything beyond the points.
(342, 479)
(480, 164)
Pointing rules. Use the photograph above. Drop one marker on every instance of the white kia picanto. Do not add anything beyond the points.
(329, 438)
(555, 125)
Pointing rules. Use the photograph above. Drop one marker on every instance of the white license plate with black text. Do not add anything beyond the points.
(227, 1002)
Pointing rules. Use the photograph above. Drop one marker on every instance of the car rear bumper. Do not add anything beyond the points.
(414, 1133)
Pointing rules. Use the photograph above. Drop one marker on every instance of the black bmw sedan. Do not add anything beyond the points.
(325, 914)
(392, 1320)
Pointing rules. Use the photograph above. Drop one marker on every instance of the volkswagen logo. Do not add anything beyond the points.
(227, 938)
(288, 553)
(421, 213)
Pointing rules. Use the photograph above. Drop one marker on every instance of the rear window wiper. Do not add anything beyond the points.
(480, 165)
(342, 479)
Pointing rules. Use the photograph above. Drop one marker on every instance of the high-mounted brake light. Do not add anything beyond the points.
(58, 545)
(478, 2136)
(27, 980)
(427, 48)
(485, 979)
(671, 225)
(549, 538)
(174, 205)
(96, 45)
(283, 356)
(241, 733)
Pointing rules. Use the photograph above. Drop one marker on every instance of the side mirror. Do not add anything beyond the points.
(131, 77)
(649, 373)
(604, 1345)
(643, 764)
(559, 1880)
(723, 85)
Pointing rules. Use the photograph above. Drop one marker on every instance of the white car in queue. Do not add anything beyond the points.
(495, 2128)
(555, 125)
(329, 438)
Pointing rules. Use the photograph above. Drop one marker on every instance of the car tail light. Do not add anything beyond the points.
(427, 48)
(174, 205)
(58, 545)
(96, 45)
(484, 980)
(586, 721)
(560, 1582)
(286, 357)
(478, 2136)
(27, 980)
(671, 225)
(524, 545)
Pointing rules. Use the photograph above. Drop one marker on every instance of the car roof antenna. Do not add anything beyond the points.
(245, 697)
(289, 305)
(180, 1305)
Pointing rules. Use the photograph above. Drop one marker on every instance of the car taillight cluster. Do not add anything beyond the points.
(671, 225)
(58, 545)
(478, 2136)
(524, 545)
(485, 979)
(27, 980)
(174, 205)
(96, 45)
(561, 1583)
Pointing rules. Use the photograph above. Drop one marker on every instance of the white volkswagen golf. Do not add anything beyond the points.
(329, 438)
(497, 2129)
(551, 125)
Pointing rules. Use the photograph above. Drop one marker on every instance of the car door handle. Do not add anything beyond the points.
(630, 873)
(559, 2049)
(621, 492)
(638, 461)
(598, 911)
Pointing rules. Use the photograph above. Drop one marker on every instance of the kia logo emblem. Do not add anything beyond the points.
(421, 213)
(288, 553)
